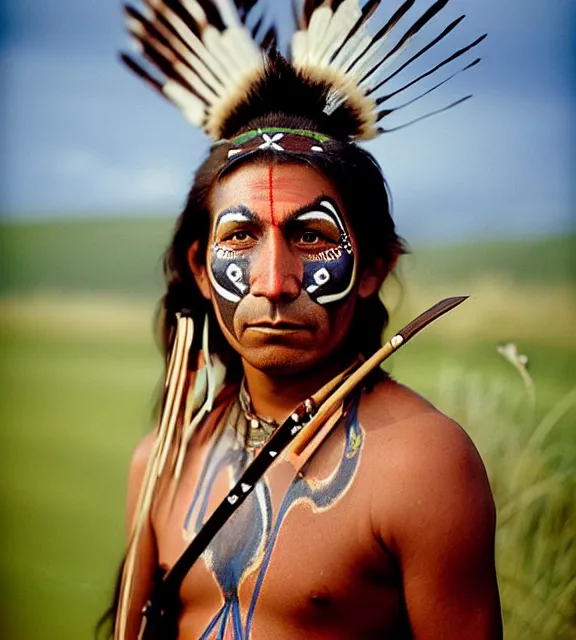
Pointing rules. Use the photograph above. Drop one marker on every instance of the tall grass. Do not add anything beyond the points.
(533, 477)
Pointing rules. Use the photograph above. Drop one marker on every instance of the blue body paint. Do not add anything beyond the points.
(247, 541)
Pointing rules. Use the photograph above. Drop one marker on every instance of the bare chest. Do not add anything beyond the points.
(298, 557)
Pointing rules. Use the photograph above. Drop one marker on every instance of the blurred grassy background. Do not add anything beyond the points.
(79, 370)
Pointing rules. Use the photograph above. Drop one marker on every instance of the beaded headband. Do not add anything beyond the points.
(280, 139)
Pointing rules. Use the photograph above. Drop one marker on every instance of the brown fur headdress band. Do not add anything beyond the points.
(217, 63)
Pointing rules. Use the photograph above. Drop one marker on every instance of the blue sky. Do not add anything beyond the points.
(81, 136)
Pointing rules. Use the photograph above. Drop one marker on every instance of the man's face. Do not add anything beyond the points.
(281, 266)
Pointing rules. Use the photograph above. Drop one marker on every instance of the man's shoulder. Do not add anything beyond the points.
(416, 441)
(393, 410)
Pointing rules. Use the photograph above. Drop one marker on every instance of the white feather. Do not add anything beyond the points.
(193, 61)
(299, 48)
(228, 13)
(369, 60)
(208, 66)
(212, 40)
(192, 108)
(348, 13)
(317, 33)
(195, 82)
(184, 70)
(195, 10)
(190, 76)
(313, 48)
(240, 47)
(375, 77)
(217, 65)
(352, 49)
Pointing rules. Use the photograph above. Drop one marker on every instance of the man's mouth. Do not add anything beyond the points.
(278, 326)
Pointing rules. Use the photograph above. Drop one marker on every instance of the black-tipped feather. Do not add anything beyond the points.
(172, 8)
(212, 14)
(307, 10)
(141, 72)
(424, 117)
(424, 19)
(311, 5)
(150, 28)
(178, 9)
(155, 32)
(422, 51)
(398, 15)
(449, 59)
(387, 112)
(367, 12)
(306, 94)
(155, 40)
(171, 37)
(164, 60)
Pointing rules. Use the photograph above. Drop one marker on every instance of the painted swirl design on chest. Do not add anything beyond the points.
(246, 544)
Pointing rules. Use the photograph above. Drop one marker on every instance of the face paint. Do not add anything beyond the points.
(329, 275)
(281, 265)
(229, 268)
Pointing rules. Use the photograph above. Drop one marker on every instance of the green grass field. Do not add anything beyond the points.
(79, 370)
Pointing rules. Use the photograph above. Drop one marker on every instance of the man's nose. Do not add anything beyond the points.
(277, 271)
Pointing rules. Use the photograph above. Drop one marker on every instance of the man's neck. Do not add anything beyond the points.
(276, 396)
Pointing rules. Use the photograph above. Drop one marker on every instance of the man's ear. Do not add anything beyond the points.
(199, 270)
(373, 276)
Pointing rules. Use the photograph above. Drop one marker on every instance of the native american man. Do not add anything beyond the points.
(383, 528)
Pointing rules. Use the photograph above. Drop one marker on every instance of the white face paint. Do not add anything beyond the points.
(235, 276)
(328, 275)
(227, 271)
(321, 277)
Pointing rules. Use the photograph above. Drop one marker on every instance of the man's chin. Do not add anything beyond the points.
(281, 361)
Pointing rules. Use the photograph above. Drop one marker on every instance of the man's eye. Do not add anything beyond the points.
(237, 236)
(309, 237)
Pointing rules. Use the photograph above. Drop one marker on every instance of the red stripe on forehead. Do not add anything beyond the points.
(271, 193)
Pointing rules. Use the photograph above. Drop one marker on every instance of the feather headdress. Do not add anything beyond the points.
(221, 74)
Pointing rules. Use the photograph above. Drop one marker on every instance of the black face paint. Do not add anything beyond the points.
(229, 269)
(328, 275)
